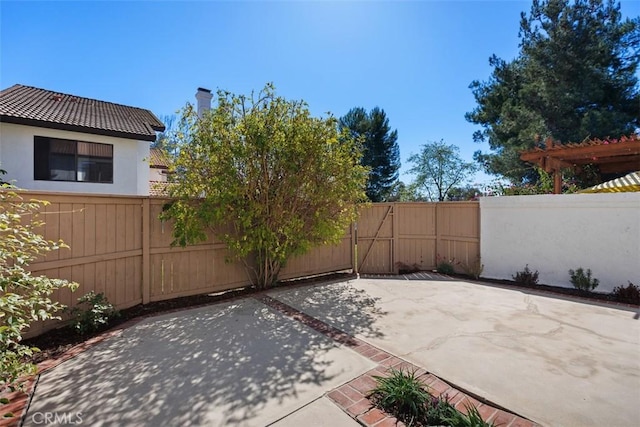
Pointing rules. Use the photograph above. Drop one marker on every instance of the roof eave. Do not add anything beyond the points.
(76, 128)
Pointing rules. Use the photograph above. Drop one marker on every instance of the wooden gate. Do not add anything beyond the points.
(374, 239)
(393, 236)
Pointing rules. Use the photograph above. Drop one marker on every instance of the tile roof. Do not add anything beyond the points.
(159, 188)
(44, 108)
(158, 158)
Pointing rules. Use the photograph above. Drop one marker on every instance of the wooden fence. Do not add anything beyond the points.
(119, 246)
(416, 235)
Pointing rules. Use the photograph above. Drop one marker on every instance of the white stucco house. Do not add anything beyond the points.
(58, 142)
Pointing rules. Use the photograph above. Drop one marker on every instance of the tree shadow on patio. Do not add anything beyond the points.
(339, 304)
(237, 363)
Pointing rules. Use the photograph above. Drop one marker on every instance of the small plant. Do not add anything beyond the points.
(526, 277)
(582, 280)
(474, 269)
(445, 266)
(471, 419)
(92, 313)
(629, 294)
(403, 395)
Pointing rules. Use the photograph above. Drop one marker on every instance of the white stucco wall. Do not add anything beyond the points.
(130, 161)
(555, 233)
(157, 174)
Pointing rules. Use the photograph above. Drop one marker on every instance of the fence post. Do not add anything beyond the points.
(354, 248)
(438, 234)
(146, 267)
(395, 238)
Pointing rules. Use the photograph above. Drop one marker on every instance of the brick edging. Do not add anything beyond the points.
(19, 400)
(352, 396)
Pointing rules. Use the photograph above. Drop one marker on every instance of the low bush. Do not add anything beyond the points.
(24, 297)
(92, 313)
(629, 294)
(445, 265)
(526, 277)
(582, 280)
(445, 268)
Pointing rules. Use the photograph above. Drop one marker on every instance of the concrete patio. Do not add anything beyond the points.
(244, 363)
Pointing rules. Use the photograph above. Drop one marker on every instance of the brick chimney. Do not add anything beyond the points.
(203, 96)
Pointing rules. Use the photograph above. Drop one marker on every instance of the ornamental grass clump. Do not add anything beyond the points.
(403, 395)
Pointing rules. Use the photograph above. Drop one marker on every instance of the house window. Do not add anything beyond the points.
(66, 160)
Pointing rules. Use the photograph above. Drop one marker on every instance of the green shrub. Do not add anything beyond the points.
(403, 395)
(24, 298)
(582, 280)
(92, 313)
(526, 277)
(445, 267)
(630, 294)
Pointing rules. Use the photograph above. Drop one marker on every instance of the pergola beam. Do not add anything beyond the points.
(620, 156)
(579, 152)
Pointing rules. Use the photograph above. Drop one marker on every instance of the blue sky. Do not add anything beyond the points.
(413, 59)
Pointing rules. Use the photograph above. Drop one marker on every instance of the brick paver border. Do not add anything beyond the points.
(352, 396)
(19, 400)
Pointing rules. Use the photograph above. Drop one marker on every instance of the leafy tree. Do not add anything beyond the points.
(381, 153)
(166, 140)
(402, 192)
(439, 168)
(268, 178)
(574, 78)
(24, 298)
(544, 185)
(462, 193)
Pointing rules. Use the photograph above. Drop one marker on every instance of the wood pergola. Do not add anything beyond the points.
(611, 156)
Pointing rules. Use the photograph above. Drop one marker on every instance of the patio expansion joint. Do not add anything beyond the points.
(352, 397)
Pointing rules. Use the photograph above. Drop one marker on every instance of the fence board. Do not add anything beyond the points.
(119, 246)
(375, 238)
(459, 228)
(421, 233)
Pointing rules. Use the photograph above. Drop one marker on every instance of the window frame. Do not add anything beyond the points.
(42, 159)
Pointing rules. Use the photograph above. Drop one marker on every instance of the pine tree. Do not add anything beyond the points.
(575, 78)
(380, 147)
